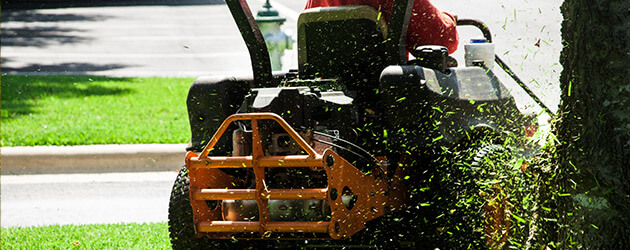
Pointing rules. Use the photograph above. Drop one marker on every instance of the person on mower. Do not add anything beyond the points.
(427, 25)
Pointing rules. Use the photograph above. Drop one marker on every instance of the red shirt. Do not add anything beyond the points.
(427, 26)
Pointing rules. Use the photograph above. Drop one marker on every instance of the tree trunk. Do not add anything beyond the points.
(594, 126)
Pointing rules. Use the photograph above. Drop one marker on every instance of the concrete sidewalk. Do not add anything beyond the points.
(92, 159)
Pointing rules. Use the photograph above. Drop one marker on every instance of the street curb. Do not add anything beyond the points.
(92, 159)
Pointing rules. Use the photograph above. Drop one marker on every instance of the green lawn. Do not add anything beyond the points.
(82, 110)
(113, 236)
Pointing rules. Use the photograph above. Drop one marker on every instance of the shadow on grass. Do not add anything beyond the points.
(21, 94)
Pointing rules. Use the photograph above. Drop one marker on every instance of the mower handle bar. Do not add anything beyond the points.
(479, 24)
(261, 64)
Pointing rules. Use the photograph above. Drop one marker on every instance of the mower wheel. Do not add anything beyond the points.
(465, 202)
(496, 208)
(180, 219)
(182, 229)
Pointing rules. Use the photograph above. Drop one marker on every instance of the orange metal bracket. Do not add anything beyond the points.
(208, 183)
(369, 191)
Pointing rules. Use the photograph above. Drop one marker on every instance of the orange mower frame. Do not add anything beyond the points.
(375, 193)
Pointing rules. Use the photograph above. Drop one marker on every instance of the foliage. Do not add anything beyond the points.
(81, 110)
(112, 236)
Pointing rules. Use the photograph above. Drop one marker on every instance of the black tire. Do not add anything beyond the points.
(447, 198)
(476, 208)
(181, 228)
(180, 219)
(496, 208)
(509, 202)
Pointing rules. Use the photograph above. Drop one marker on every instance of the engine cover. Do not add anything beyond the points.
(306, 108)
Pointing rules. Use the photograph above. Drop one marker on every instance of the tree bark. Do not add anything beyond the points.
(594, 125)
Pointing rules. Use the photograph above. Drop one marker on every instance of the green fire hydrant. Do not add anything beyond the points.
(277, 41)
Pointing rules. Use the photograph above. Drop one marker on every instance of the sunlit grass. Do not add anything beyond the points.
(108, 236)
(82, 110)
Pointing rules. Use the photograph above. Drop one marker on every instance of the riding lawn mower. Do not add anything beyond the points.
(346, 150)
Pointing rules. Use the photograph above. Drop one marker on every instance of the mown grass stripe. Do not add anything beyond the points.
(107, 236)
(84, 110)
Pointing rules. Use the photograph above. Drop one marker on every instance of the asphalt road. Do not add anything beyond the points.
(38, 200)
(193, 40)
(145, 40)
